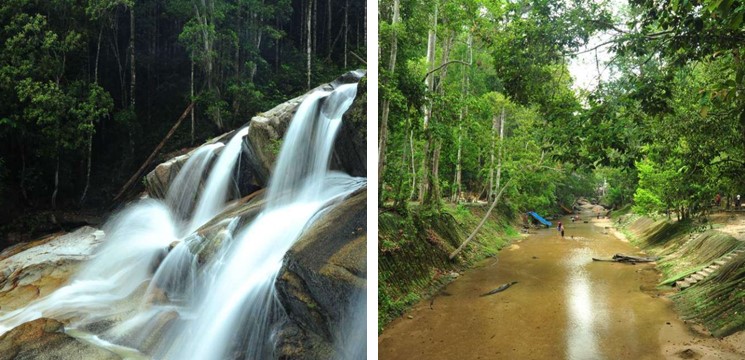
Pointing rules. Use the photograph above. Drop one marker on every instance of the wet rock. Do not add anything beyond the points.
(350, 148)
(324, 270)
(43, 266)
(158, 180)
(216, 232)
(44, 339)
(297, 344)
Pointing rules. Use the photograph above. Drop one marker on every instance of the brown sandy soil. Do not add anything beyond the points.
(731, 223)
(563, 306)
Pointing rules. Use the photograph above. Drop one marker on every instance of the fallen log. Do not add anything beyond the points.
(150, 158)
(501, 288)
(629, 259)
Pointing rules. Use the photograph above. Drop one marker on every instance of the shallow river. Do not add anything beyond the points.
(564, 306)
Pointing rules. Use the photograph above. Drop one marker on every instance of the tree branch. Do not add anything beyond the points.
(443, 65)
(476, 230)
(358, 57)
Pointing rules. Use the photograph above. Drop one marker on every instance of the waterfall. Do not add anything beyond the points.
(182, 192)
(138, 294)
(242, 295)
(214, 194)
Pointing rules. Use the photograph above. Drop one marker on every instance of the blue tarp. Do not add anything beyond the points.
(539, 218)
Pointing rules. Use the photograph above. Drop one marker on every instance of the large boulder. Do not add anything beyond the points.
(264, 140)
(322, 275)
(350, 148)
(33, 270)
(45, 339)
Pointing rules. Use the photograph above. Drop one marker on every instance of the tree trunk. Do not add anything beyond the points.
(307, 41)
(483, 221)
(461, 117)
(346, 31)
(239, 24)
(457, 181)
(315, 27)
(432, 196)
(413, 164)
(132, 72)
(98, 53)
(431, 42)
(382, 141)
(90, 157)
(90, 134)
(191, 83)
(501, 140)
(328, 27)
(56, 182)
(494, 125)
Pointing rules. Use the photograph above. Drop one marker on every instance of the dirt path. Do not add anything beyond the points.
(564, 306)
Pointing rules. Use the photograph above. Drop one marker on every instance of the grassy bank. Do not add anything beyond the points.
(685, 247)
(413, 250)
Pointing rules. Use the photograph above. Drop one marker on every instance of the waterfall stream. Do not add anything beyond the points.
(137, 294)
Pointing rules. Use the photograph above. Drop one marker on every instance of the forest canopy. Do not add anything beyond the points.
(89, 87)
(477, 95)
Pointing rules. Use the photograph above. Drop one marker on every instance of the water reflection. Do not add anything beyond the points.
(584, 310)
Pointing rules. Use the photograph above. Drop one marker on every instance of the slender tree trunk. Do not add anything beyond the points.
(494, 125)
(501, 146)
(457, 180)
(483, 221)
(90, 133)
(191, 83)
(239, 25)
(133, 79)
(431, 42)
(56, 182)
(346, 31)
(98, 53)
(413, 164)
(307, 40)
(462, 116)
(328, 27)
(383, 139)
(315, 27)
(133, 73)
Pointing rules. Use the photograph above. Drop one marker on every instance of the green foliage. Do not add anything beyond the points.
(66, 72)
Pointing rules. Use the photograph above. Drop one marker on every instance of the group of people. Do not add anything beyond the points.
(718, 201)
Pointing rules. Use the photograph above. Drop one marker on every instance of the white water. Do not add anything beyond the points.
(232, 299)
(135, 240)
(182, 192)
(213, 197)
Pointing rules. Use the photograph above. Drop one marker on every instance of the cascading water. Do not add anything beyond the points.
(213, 197)
(229, 304)
(181, 195)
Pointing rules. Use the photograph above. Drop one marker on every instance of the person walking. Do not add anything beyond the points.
(737, 202)
(560, 228)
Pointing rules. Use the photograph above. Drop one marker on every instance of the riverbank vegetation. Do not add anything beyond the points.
(414, 252)
(477, 101)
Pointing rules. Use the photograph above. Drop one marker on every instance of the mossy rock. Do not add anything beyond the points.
(325, 270)
(45, 339)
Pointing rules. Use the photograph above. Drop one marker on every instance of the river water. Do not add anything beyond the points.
(564, 306)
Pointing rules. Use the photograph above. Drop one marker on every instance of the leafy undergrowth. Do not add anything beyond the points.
(413, 250)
